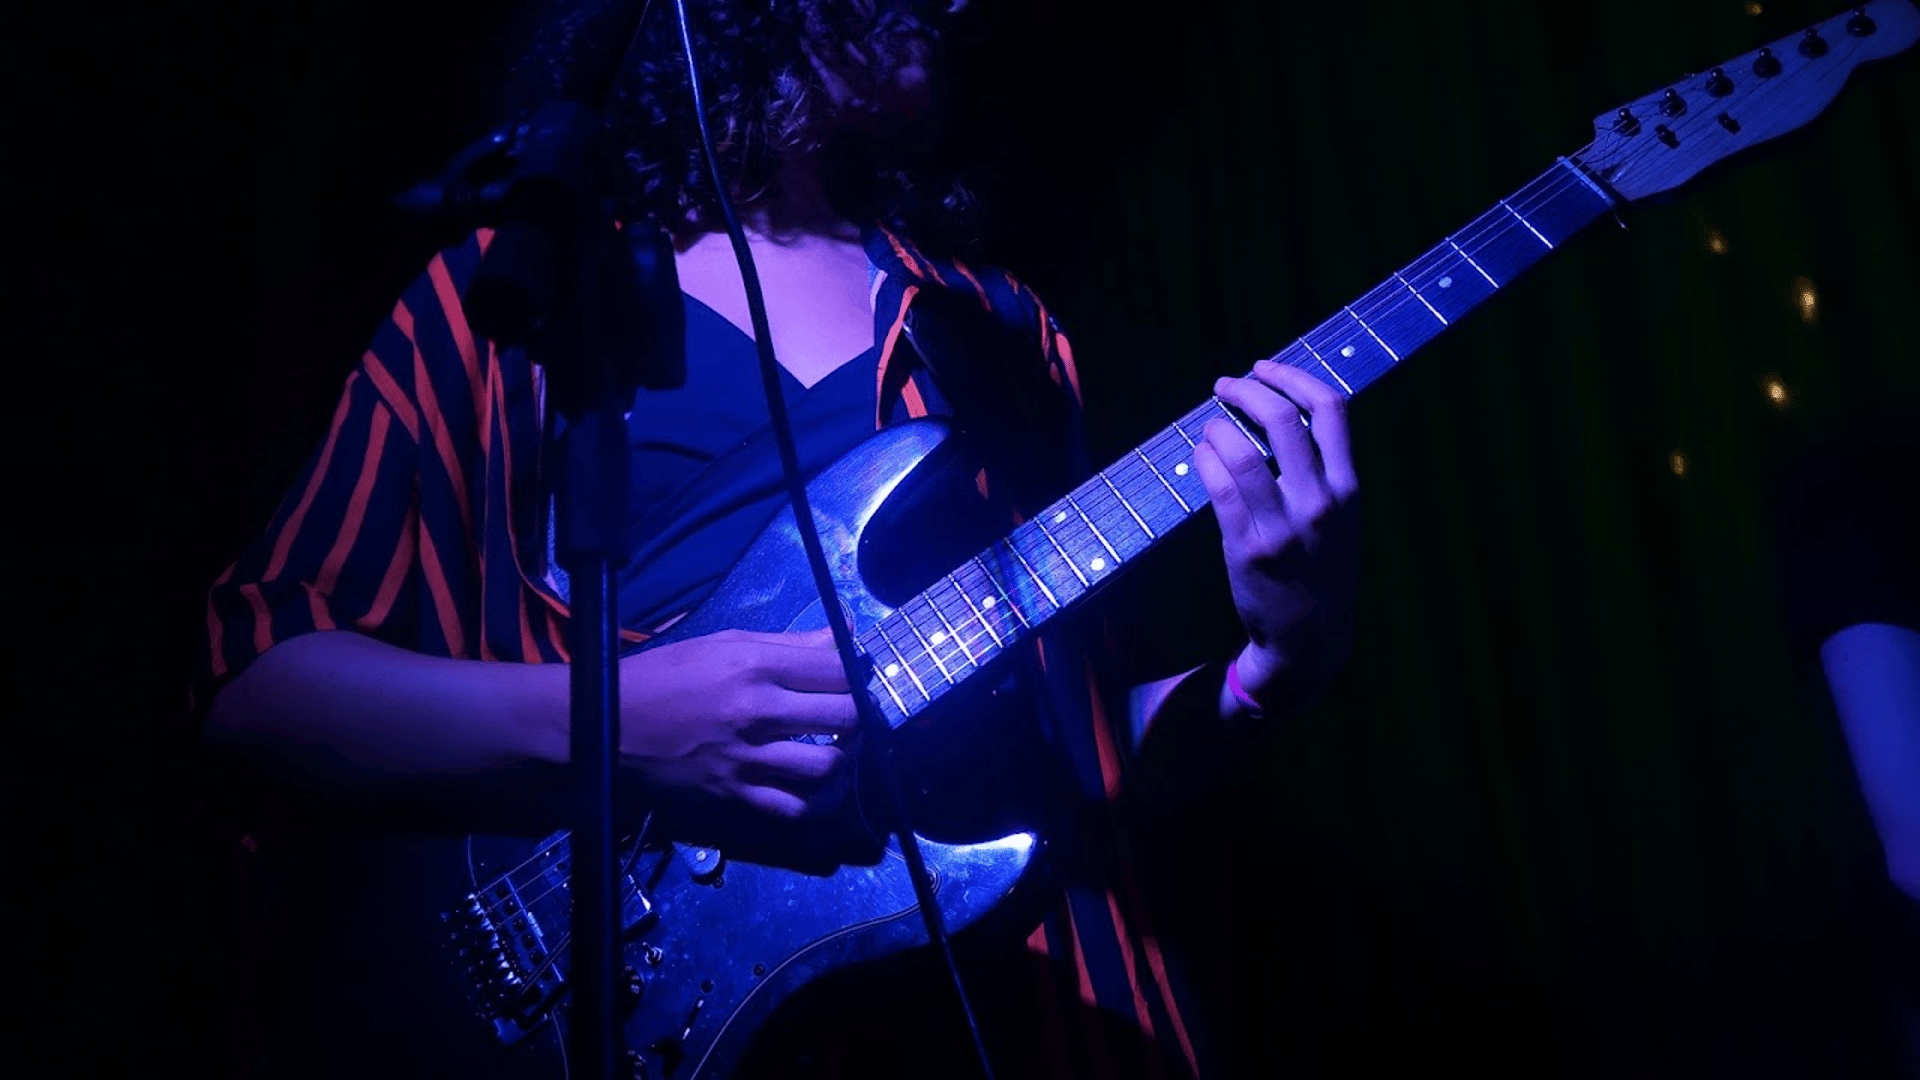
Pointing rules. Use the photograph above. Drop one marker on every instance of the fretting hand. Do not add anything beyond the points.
(1292, 541)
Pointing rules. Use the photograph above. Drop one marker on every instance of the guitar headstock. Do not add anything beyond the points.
(1663, 140)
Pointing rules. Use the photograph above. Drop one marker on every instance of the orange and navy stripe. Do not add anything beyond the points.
(420, 521)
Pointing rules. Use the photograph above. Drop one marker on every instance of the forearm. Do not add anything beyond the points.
(1873, 671)
(346, 715)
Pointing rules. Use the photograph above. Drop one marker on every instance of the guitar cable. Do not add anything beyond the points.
(872, 724)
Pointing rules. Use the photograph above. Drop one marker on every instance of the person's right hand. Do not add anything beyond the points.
(715, 716)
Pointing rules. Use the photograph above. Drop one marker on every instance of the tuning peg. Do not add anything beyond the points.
(1766, 65)
(1813, 44)
(1861, 24)
(1718, 84)
(1672, 104)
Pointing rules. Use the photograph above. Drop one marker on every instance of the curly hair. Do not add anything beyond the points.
(766, 98)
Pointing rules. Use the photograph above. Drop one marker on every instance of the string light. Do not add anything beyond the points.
(1677, 461)
(1809, 300)
(1777, 392)
(1716, 243)
(1753, 9)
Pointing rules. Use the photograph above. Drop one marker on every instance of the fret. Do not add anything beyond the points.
(1449, 283)
(1402, 324)
(1399, 325)
(979, 640)
(957, 632)
(1372, 333)
(1517, 216)
(992, 600)
(948, 655)
(1115, 523)
(893, 695)
(1506, 249)
(1154, 505)
(1192, 417)
(894, 668)
(1469, 260)
(1253, 436)
(926, 678)
(1131, 512)
(1364, 356)
(1039, 556)
(926, 649)
(1321, 360)
(1559, 207)
(1095, 530)
(1160, 476)
(1031, 574)
(979, 614)
(1215, 409)
(1172, 454)
(1423, 300)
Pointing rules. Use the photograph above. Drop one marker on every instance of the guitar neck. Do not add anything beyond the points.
(1002, 596)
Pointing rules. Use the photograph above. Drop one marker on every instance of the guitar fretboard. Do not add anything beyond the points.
(1001, 596)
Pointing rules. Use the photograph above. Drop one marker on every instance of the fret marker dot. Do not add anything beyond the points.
(1059, 517)
(1446, 283)
(1097, 564)
(1180, 469)
(939, 636)
(986, 601)
(1346, 350)
(892, 670)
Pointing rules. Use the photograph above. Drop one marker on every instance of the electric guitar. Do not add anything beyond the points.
(718, 936)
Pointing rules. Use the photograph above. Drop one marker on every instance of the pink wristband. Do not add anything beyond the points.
(1240, 692)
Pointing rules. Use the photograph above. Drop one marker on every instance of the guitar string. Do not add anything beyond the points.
(491, 908)
(1478, 233)
(566, 938)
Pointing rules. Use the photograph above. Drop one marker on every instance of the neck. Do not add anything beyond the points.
(797, 206)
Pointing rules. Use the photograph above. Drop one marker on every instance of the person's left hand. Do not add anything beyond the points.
(1292, 542)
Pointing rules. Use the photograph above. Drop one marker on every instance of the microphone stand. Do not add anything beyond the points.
(598, 308)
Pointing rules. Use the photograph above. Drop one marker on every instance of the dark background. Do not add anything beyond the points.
(1578, 806)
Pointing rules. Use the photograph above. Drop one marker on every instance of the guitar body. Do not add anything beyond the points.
(451, 959)
(444, 962)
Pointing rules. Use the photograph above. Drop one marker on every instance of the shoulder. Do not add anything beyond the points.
(995, 288)
(426, 352)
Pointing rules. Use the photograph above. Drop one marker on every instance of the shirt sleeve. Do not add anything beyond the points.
(1012, 378)
(338, 553)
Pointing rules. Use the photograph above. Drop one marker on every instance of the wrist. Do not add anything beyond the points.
(1238, 700)
(1260, 683)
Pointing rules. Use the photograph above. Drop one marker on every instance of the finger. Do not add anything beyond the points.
(774, 801)
(807, 662)
(792, 766)
(1240, 495)
(1284, 423)
(790, 714)
(800, 638)
(1326, 407)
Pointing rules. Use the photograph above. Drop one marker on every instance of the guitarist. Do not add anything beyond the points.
(391, 648)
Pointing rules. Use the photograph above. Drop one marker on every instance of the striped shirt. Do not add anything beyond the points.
(422, 520)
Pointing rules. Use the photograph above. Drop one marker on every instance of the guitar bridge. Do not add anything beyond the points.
(509, 939)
